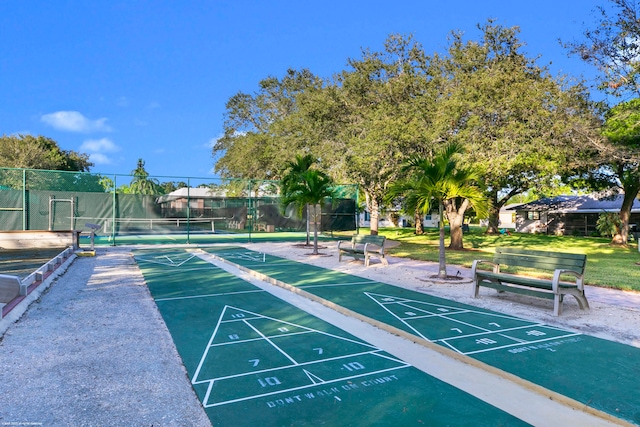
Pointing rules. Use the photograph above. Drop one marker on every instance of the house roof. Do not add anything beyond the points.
(193, 193)
(590, 203)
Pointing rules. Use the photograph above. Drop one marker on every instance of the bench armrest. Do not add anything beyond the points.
(478, 262)
(371, 247)
(559, 272)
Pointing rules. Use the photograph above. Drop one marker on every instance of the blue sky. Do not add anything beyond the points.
(122, 80)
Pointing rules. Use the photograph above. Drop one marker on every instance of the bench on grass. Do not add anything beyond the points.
(567, 269)
(364, 246)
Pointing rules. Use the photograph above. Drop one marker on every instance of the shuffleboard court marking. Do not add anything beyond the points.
(171, 260)
(246, 255)
(328, 285)
(479, 338)
(275, 364)
(207, 295)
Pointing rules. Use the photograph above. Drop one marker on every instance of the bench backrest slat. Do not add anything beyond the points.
(368, 238)
(541, 260)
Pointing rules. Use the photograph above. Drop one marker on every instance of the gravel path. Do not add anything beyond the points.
(94, 351)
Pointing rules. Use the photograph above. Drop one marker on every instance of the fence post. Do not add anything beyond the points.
(188, 210)
(24, 200)
(113, 210)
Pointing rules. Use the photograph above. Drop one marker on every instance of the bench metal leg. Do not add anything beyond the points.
(557, 304)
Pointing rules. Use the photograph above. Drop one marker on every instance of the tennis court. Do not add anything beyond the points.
(254, 359)
(594, 372)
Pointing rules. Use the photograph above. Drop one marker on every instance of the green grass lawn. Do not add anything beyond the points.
(607, 266)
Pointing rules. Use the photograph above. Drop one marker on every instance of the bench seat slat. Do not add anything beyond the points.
(524, 280)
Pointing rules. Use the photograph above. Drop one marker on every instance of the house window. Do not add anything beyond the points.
(533, 215)
(427, 217)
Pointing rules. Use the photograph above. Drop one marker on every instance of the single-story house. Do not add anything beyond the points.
(384, 220)
(570, 215)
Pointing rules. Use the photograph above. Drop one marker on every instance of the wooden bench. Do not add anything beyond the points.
(567, 279)
(10, 288)
(364, 246)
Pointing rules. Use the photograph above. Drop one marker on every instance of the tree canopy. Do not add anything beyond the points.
(40, 152)
(612, 45)
(522, 127)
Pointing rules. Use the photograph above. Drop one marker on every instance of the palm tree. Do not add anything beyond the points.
(310, 188)
(439, 180)
(294, 168)
(141, 183)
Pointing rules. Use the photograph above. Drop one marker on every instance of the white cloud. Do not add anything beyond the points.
(98, 150)
(100, 159)
(99, 145)
(73, 121)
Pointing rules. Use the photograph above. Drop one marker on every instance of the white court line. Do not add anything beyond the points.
(311, 362)
(173, 264)
(208, 295)
(179, 271)
(294, 388)
(222, 344)
(336, 284)
(445, 341)
(220, 321)
(284, 353)
(519, 344)
(497, 331)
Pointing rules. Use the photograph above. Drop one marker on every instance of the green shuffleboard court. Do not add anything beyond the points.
(598, 373)
(254, 359)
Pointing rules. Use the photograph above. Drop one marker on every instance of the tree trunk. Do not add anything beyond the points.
(442, 262)
(455, 215)
(374, 212)
(308, 221)
(622, 237)
(494, 213)
(631, 188)
(315, 229)
(417, 217)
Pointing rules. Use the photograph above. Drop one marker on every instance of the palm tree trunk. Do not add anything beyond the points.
(315, 229)
(417, 217)
(308, 221)
(442, 268)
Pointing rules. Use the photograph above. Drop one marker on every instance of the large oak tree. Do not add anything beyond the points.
(522, 127)
(612, 45)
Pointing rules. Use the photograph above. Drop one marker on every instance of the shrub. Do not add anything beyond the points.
(608, 224)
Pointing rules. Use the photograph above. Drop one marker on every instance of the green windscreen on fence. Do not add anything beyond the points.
(125, 205)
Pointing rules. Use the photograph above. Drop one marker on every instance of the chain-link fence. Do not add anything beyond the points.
(132, 205)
